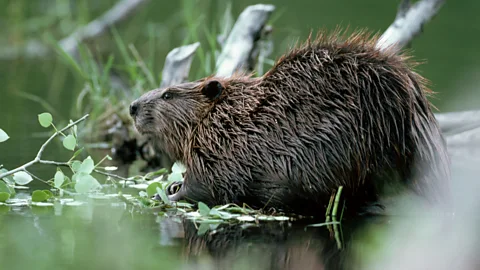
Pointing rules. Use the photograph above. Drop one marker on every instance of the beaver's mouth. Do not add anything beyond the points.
(140, 127)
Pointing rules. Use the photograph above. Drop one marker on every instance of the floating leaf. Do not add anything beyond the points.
(49, 193)
(76, 165)
(45, 119)
(3, 135)
(39, 196)
(203, 209)
(59, 178)
(4, 196)
(163, 195)
(87, 166)
(4, 188)
(22, 178)
(86, 183)
(152, 188)
(178, 167)
(69, 142)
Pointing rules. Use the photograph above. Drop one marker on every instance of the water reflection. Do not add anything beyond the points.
(108, 234)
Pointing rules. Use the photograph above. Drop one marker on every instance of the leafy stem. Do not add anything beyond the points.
(38, 158)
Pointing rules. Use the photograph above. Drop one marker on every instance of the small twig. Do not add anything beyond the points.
(409, 22)
(67, 164)
(337, 200)
(55, 163)
(111, 175)
(37, 159)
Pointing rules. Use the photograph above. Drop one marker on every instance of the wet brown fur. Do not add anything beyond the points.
(332, 111)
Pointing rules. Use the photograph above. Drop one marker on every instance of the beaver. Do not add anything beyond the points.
(333, 111)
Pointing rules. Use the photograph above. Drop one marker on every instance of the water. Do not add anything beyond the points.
(102, 235)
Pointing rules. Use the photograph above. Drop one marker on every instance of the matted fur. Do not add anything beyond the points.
(332, 111)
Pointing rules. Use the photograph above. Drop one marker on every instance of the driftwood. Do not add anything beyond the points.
(94, 29)
(409, 22)
(241, 41)
(458, 122)
(177, 64)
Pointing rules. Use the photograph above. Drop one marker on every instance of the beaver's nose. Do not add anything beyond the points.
(133, 108)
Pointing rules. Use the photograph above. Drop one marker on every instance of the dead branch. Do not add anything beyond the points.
(242, 38)
(458, 122)
(94, 29)
(177, 64)
(409, 22)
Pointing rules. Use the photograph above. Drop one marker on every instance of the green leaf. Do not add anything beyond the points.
(8, 179)
(77, 153)
(175, 177)
(3, 135)
(163, 195)
(74, 177)
(203, 209)
(4, 187)
(45, 119)
(39, 196)
(22, 178)
(85, 183)
(4, 196)
(76, 165)
(87, 166)
(152, 188)
(178, 167)
(70, 142)
(49, 193)
(203, 228)
(58, 179)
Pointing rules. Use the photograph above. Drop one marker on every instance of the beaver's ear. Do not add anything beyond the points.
(213, 89)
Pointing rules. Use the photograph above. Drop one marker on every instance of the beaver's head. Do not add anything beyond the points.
(168, 116)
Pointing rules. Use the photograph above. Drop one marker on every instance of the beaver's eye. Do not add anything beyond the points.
(167, 95)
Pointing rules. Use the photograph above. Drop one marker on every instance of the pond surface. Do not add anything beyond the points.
(110, 234)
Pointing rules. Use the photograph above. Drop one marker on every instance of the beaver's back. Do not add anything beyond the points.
(330, 113)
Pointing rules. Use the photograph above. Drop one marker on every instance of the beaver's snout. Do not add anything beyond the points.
(134, 109)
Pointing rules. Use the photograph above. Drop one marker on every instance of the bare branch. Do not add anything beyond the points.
(241, 40)
(95, 28)
(409, 22)
(457, 122)
(42, 148)
(177, 64)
